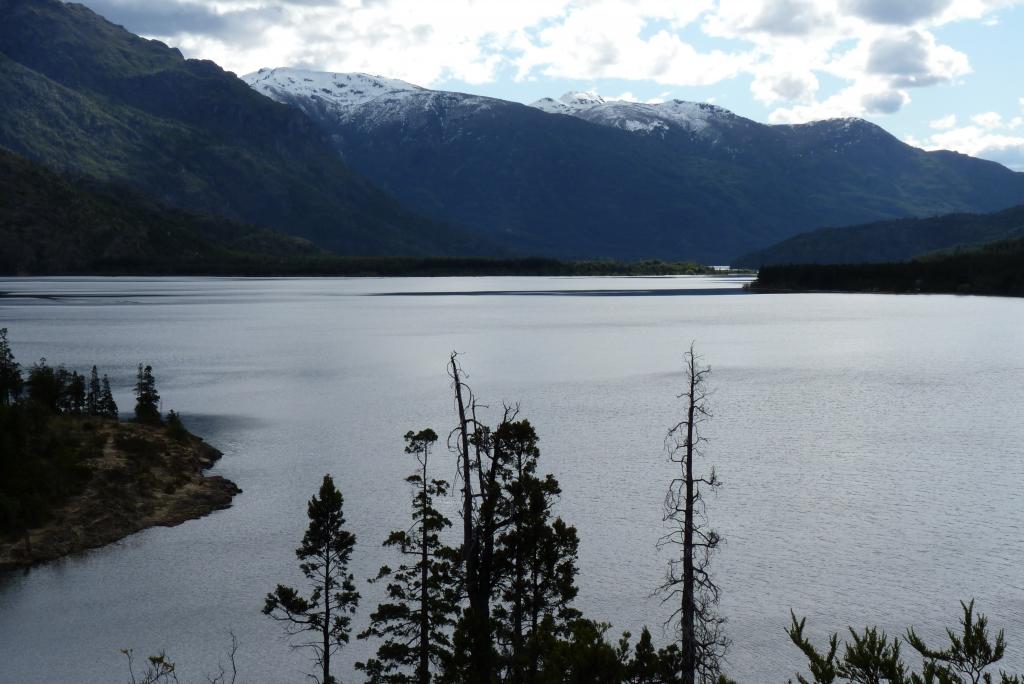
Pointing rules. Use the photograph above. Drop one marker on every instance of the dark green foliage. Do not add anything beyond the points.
(47, 386)
(93, 397)
(41, 464)
(871, 657)
(996, 269)
(890, 241)
(10, 372)
(147, 399)
(535, 557)
(323, 619)
(520, 561)
(969, 655)
(83, 95)
(423, 600)
(175, 428)
(107, 405)
(75, 394)
(645, 666)
(582, 655)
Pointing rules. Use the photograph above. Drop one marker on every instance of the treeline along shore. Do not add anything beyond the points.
(994, 269)
(74, 476)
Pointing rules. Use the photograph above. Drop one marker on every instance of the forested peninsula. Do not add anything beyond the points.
(74, 476)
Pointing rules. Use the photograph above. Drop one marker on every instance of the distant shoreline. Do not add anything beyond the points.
(315, 267)
(996, 269)
(144, 478)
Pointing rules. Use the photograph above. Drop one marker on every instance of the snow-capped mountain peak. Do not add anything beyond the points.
(570, 103)
(341, 90)
(697, 118)
(372, 100)
(581, 99)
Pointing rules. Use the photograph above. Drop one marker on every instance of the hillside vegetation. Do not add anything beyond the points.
(85, 96)
(890, 241)
(54, 224)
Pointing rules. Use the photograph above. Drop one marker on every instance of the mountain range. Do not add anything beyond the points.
(582, 177)
(84, 96)
(363, 165)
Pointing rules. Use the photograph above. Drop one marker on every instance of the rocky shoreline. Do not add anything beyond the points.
(145, 476)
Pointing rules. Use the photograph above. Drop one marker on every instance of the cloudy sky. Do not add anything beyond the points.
(936, 73)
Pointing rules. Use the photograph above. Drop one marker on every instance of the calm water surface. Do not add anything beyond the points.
(872, 449)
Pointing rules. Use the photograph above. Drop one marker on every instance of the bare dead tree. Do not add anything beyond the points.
(468, 442)
(699, 627)
(222, 676)
(458, 441)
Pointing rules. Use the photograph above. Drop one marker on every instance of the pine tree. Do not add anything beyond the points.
(46, 386)
(93, 398)
(147, 400)
(325, 617)
(644, 668)
(107, 405)
(76, 394)
(536, 557)
(870, 656)
(416, 621)
(65, 402)
(10, 372)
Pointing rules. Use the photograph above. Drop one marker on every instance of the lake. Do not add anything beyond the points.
(871, 446)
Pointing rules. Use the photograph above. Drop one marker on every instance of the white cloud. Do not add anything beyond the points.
(977, 142)
(989, 136)
(659, 98)
(861, 98)
(877, 50)
(774, 83)
(607, 39)
(944, 123)
(914, 59)
(988, 120)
